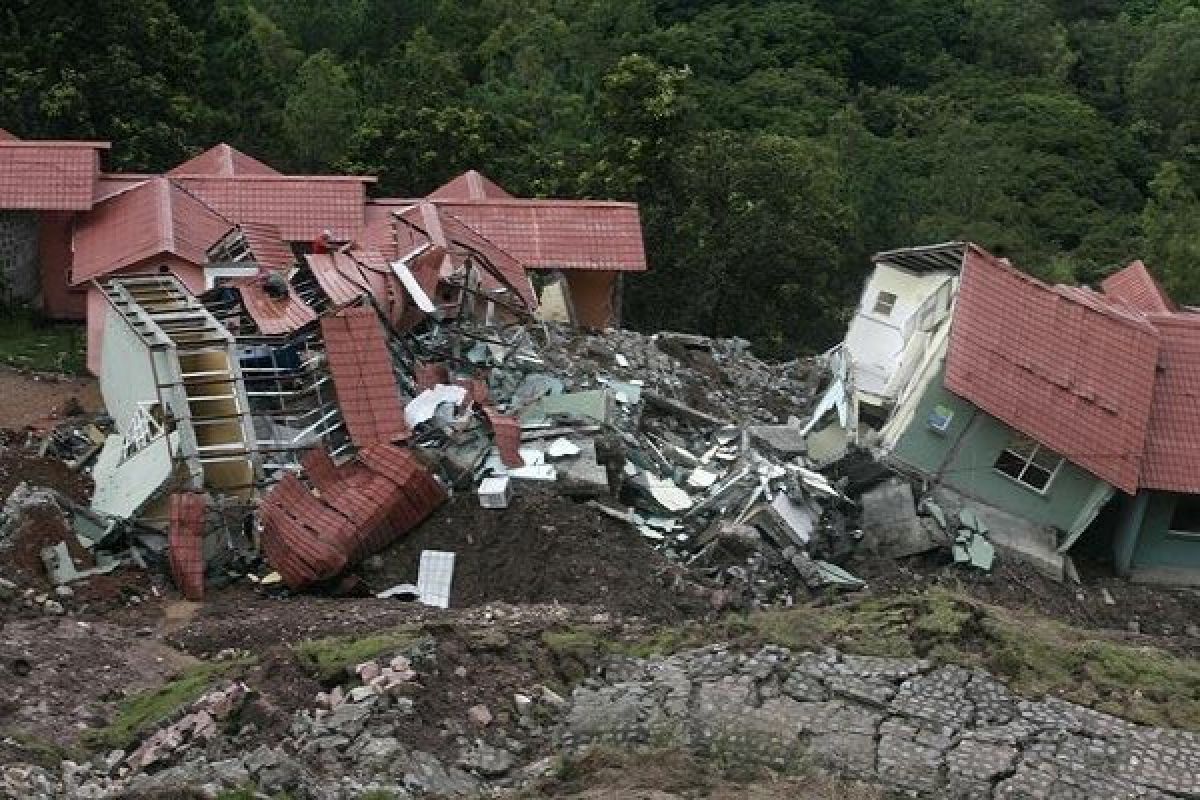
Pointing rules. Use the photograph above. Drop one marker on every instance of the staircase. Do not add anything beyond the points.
(198, 379)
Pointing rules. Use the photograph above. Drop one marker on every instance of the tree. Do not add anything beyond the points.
(1169, 226)
(320, 112)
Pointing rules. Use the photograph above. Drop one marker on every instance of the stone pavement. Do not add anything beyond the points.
(902, 723)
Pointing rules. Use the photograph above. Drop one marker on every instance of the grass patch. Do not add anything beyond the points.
(328, 659)
(43, 752)
(30, 342)
(139, 714)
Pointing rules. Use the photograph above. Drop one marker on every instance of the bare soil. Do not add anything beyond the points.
(41, 400)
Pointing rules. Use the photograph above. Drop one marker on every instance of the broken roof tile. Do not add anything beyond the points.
(185, 536)
(507, 432)
(333, 278)
(361, 366)
(274, 316)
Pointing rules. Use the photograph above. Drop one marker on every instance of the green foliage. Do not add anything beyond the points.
(772, 146)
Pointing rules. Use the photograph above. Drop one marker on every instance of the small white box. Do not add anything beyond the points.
(495, 492)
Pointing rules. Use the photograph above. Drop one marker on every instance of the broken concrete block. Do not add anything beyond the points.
(480, 715)
(785, 440)
(495, 492)
(889, 520)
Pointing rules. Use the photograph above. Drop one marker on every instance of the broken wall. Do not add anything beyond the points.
(876, 339)
(134, 382)
(593, 296)
(963, 457)
(19, 279)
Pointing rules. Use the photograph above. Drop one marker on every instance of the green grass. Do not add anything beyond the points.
(328, 659)
(28, 342)
(42, 752)
(138, 715)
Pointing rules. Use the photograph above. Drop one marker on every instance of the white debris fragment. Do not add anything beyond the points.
(562, 447)
(422, 407)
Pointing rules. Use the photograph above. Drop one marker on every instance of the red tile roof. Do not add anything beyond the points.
(48, 176)
(185, 542)
(111, 184)
(426, 223)
(333, 273)
(1172, 461)
(559, 234)
(471, 185)
(151, 219)
(266, 245)
(274, 316)
(1060, 365)
(364, 505)
(301, 207)
(222, 159)
(361, 366)
(1136, 288)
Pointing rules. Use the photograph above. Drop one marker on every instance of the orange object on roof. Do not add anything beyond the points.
(48, 175)
(1060, 364)
(151, 219)
(361, 366)
(221, 159)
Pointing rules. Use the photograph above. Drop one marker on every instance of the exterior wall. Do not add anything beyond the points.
(1147, 550)
(190, 274)
(19, 280)
(963, 456)
(593, 295)
(877, 342)
(60, 300)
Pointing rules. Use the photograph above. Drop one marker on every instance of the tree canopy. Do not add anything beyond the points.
(773, 145)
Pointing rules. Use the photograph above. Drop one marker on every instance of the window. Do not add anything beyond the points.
(1185, 519)
(1028, 463)
(884, 303)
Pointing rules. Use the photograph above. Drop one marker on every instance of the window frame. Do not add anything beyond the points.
(891, 304)
(1027, 461)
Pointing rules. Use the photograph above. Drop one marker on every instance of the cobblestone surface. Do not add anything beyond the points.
(904, 723)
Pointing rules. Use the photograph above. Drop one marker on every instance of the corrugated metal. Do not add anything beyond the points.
(1057, 364)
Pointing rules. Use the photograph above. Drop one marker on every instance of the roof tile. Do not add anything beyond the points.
(356, 348)
(48, 175)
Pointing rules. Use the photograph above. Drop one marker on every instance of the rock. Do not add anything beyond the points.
(8, 590)
(349, 718)
(480, 715)
(367, 671)
(53, 607)
(383, 749)
(486, 760)
(361, 693)
(431, 776)
(64, 591)
(553, 698)
(1109, 600)
(1193, 631)
(1134, 626)
(523, 703)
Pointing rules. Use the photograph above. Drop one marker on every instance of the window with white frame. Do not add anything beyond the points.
(884, 303)
(1028, 463)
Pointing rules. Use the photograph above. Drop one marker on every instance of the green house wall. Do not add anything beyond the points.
(962, 458)
(1144, 539)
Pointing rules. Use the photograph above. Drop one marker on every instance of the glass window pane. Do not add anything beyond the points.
(1047, 459)
(1010, 464)
(1036, 477)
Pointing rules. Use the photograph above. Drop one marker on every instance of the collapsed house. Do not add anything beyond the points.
(66, 225)
(1051, 411)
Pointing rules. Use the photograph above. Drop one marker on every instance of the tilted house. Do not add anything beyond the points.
(1041, 405)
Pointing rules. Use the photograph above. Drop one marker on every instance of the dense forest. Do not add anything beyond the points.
(773, 145)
